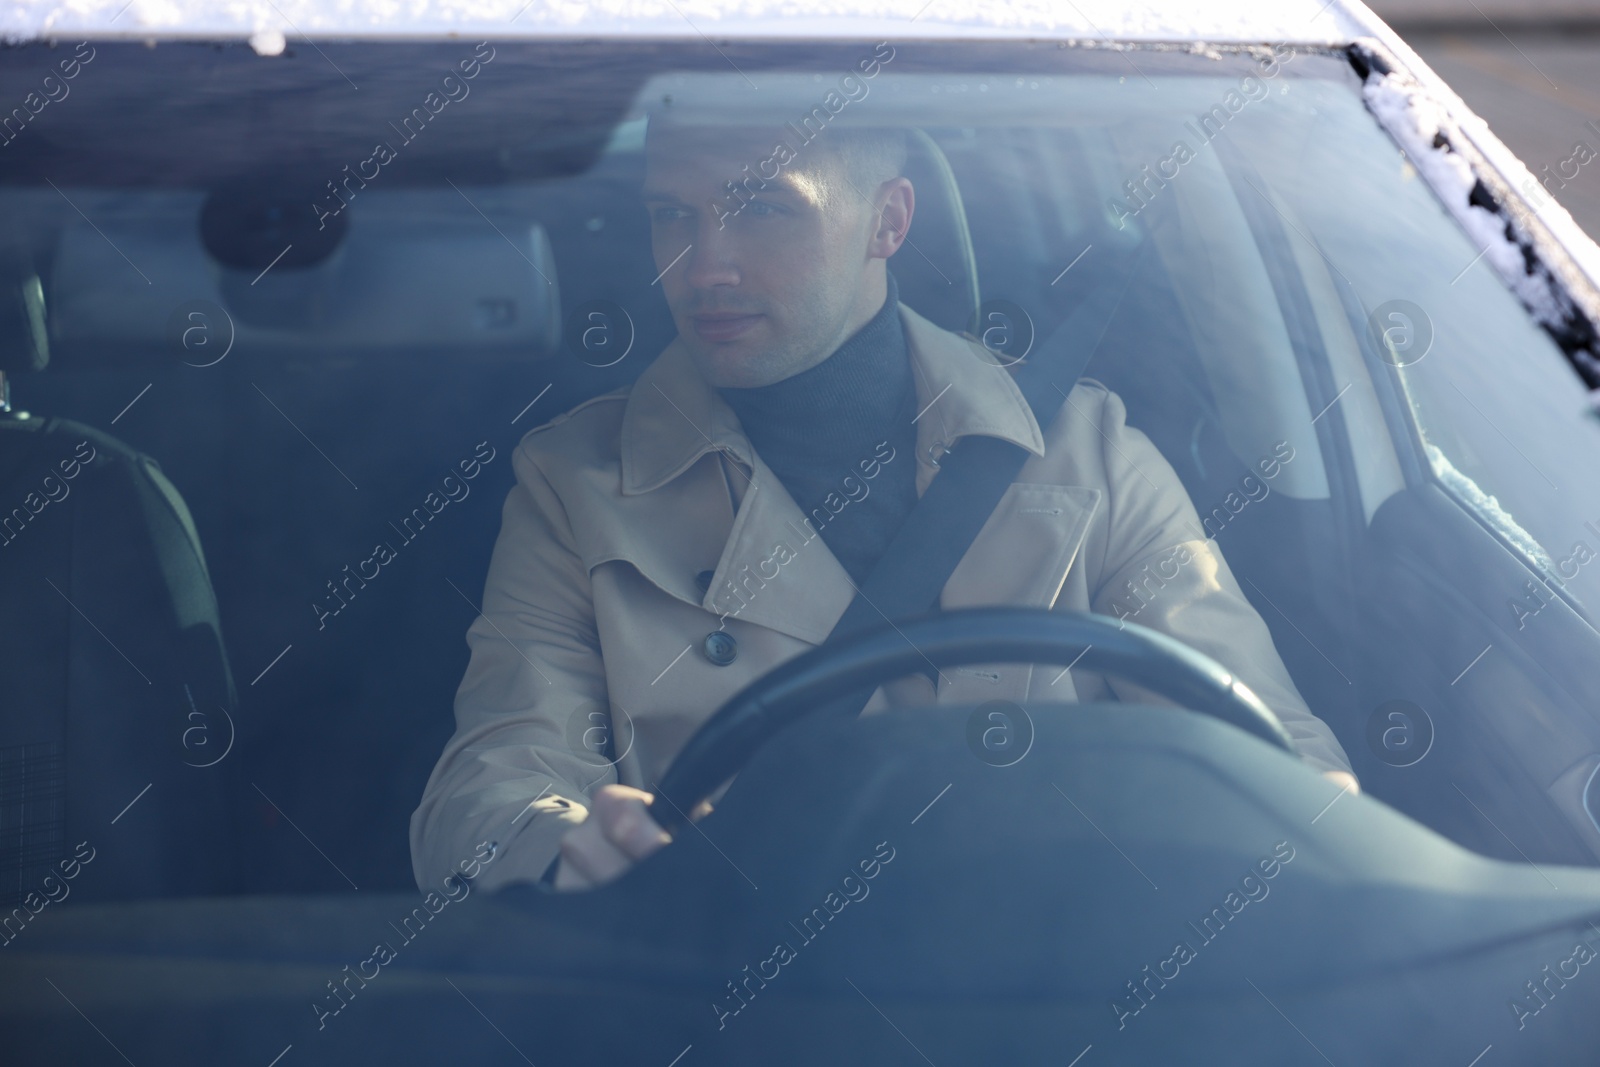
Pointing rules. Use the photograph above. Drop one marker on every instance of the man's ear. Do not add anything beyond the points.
(893, 207)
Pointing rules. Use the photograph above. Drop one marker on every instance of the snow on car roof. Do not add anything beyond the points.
(1220, 21)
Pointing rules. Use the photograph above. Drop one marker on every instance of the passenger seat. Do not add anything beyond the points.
(119, 702)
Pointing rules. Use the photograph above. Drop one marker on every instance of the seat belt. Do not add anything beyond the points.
(941, 527)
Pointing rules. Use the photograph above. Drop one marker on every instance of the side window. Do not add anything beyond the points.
(1500, 417)
(1498, 413)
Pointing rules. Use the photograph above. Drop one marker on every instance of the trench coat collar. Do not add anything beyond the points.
(673, 416)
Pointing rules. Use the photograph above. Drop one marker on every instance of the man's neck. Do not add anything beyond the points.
(841, 404)
(874, 293)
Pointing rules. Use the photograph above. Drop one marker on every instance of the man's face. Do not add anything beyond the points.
(766, 283)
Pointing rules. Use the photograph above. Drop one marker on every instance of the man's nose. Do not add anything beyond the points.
(713, 259)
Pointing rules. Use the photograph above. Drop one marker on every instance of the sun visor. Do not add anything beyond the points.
(451, 274)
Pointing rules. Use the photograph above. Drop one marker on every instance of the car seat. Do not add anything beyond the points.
(120, 706)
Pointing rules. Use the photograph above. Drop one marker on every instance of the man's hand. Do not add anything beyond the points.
(618, 833)
(1344, 780)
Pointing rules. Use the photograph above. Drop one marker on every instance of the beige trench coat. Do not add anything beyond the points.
(592, 610)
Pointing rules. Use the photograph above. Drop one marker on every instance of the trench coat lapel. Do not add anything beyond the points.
(776, 571)
(679, 440)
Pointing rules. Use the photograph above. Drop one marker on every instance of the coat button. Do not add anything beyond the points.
(720, 647)
(703, 580)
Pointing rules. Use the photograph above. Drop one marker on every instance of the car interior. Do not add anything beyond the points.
(245, 479)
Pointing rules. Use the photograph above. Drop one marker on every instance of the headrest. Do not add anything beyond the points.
(936, 269)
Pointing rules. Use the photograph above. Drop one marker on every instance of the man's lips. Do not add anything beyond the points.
(722, 326)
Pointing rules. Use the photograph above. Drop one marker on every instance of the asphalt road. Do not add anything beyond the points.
(1539, 90)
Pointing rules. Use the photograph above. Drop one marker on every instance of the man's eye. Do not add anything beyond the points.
(761, 209)
(668, 214)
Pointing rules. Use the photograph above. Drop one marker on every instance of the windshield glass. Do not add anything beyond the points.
(412, 446)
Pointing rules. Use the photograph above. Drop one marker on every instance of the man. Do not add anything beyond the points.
(667, 544)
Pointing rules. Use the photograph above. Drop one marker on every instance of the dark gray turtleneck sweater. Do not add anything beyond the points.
(823, 430)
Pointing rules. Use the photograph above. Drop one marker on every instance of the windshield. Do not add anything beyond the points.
(412, 446)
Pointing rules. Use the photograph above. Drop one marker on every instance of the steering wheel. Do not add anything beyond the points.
(812, 681)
